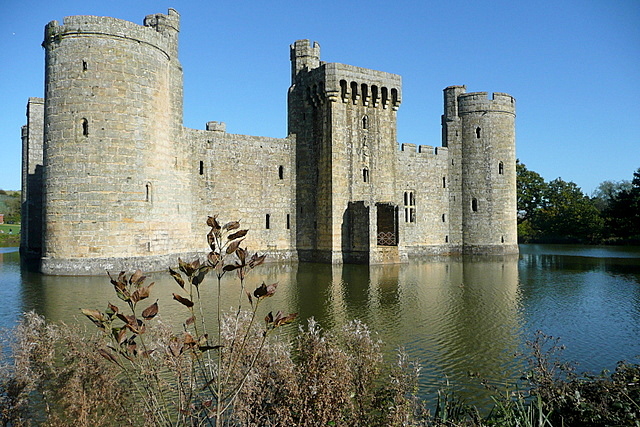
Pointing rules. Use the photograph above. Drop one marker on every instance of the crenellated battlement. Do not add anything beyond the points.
(216, 126)
(305, 56)
(164, 23)
(480, 101)
(159, 30)
(423, 150)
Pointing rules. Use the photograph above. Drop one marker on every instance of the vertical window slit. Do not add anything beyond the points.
(267, 221)
(85, 127)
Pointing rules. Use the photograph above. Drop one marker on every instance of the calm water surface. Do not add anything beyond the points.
(455, 316)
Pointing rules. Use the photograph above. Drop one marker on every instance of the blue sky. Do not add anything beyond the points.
(573, 67)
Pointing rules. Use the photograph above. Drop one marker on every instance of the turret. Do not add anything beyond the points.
(488, 176)
(112, 113)
(304, 56)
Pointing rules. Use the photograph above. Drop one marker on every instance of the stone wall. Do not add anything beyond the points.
(32, 170)
(246, 178)
(424, 199)
(125, 185)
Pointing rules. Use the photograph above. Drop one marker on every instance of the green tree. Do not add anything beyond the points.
(567, 215)
(12, 214)
(607, 191)
(530, 192)
(622, 214)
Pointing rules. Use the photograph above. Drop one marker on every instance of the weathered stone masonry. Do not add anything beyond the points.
(113, 180)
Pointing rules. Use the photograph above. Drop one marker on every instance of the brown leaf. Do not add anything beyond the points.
(200, 274)
(151, 311)
(190, 321)
(188, 340)
(121, 287)
(122, 277)
(92, 314)
(126, 319)
(135, 296)
(107, 355)
(256, 260)
(212, 222)
(145, 291)
(177, 277)
(137, 328)
(95, 316)
(241, 254)
(233, 246)
(214, 259)
(264, 291)
(112, 309)
(186, 268)
(249, 296)
(121, 336)
(137, 278)
(211, 241)
(237, 234)
(231, 267)
(182, 300)
(232, 225)
(281, 320)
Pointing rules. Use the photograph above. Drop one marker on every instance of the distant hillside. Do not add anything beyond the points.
(10, 205)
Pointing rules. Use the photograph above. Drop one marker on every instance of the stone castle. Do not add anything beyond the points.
(113, 180)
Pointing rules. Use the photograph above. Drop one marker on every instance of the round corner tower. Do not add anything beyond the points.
(488, 173)
(113, 111)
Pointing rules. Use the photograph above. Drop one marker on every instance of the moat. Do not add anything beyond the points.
(454, 315)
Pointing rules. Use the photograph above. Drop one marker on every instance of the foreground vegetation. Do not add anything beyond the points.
(236, 369)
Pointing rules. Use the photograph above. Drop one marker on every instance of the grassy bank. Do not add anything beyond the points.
(9, 235)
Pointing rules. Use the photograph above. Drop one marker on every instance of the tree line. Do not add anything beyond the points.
(559, 212)
(10, 206)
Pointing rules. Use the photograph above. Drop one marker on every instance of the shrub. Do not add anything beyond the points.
(233, 369)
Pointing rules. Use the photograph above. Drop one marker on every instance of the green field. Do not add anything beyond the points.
(14, 228)
(9, 235)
